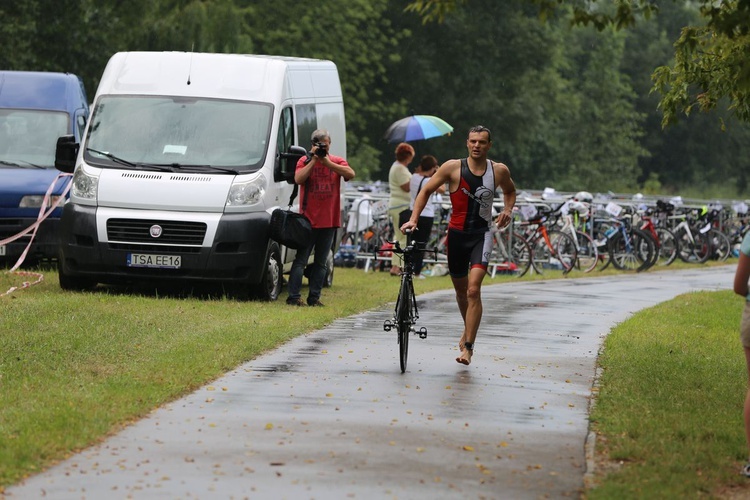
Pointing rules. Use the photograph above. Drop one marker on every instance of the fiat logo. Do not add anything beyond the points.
(155, 231)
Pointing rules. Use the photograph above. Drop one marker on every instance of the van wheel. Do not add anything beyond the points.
(73, 283)
(270, 284)
(328, 282)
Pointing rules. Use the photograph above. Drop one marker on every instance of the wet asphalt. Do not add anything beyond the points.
(329, 415)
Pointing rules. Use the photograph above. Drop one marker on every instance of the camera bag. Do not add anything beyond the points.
(289, 228)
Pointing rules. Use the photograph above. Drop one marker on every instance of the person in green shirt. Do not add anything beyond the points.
(399, 179)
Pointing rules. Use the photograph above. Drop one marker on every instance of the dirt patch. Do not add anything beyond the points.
(734, 492)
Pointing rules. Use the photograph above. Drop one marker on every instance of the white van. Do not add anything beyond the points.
(183, 160)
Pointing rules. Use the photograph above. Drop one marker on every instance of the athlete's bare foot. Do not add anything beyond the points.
(465, 357)
(466, 351)
(461, 342)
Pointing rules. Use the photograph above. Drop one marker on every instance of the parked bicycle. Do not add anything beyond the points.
(550, 247)
(406, 312)
(574, 215)
(694, 246)
(666, 245)
(628, 248)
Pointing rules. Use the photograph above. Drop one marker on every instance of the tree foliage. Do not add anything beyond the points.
(711, 61)
(569, 100)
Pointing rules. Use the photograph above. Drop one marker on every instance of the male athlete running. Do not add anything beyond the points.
(472, 184)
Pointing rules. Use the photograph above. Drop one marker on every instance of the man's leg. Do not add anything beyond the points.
(323, 241)
(473, 313)
(296, 274)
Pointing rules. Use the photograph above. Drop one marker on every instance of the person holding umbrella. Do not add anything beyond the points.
(472, 183)
(399, 179)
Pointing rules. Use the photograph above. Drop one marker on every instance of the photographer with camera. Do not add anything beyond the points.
(319, 176)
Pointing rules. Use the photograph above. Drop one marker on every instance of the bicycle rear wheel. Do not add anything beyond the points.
(588, 254)
(631, 252)
(720, 246)
(667, 246)
(695, 249)
(404, 320)
(648, 248)
(518, 259)
(521, 254)
(564, 249)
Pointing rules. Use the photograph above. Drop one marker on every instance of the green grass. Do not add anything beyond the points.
(76, 367)
(669, 409)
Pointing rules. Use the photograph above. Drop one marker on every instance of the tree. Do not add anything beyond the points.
(603, 146)
(560, 112)
(359, 39)
(711, 64)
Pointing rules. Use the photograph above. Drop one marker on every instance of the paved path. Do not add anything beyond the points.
(329, 415)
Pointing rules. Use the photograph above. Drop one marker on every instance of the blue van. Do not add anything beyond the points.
(35, 109)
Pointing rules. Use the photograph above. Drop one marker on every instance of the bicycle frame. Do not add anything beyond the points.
(539, 234)
(406, 312)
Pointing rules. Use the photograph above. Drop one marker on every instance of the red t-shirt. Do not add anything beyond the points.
(320, 196)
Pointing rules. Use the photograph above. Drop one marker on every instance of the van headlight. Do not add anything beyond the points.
(84, 185)
(247, 192)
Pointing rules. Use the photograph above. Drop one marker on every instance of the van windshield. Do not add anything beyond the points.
(28, 138)
(191, 133)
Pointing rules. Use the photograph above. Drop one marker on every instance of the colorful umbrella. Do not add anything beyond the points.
(417, 128)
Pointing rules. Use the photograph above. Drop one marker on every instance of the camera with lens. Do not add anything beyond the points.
(322, 150)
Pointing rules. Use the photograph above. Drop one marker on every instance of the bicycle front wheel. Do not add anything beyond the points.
(404, 320)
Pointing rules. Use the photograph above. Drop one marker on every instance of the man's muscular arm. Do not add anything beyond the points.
(505, 183)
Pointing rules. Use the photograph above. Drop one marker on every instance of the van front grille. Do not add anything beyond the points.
(172, 232)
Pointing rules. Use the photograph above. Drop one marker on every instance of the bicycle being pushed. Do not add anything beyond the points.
(406, 312)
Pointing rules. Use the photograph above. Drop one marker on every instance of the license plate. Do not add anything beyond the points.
(154, 261)
(2, 250)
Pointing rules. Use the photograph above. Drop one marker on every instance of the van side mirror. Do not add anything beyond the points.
(66, 153)
(288, 163)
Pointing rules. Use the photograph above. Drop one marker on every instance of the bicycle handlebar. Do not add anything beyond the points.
(406, 252)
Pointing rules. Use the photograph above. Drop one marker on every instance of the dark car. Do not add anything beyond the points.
(35, 109)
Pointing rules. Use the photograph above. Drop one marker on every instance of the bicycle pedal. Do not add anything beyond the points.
(422, 332)
(388, 325)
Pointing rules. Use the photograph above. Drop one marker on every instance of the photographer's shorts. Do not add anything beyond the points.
(745, 326)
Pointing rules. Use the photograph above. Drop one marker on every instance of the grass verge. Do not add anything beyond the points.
(668, 415)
